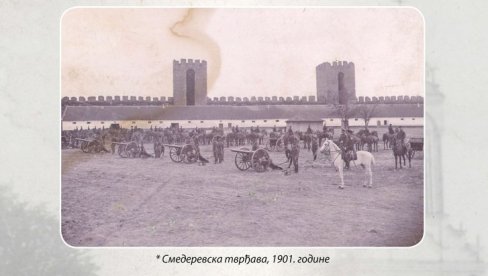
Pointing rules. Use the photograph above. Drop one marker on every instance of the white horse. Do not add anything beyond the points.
(365, 159)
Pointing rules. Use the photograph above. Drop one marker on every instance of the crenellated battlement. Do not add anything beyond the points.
(336, 65)
(189, 62)
(231, 100)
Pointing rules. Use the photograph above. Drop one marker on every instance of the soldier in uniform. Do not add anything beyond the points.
(215, 149)
(294, 152)
(346, 146)
(315, 146)
(290, 132)
(309, 129)
(401, 135)
(390, 130)
(158, 147)
(220, 150)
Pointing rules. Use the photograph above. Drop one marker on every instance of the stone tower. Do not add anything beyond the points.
(189, 82)
(336, 82)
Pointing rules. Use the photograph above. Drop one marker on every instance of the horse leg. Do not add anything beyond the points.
(365, 179)
(368, 181)
(341, 175)
(370, 172)
(288, 156)
(295, 163)
(409, 159)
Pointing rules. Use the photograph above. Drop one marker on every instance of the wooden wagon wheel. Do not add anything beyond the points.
(95, 146)
(189, 154)
(132, 150)
(84, 146)
(260, 160)
(121, 150)
(174, 154)
(280, 145)
(243, 161)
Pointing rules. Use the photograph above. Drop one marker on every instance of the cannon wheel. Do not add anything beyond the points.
(132, 150)
(280, 145)
(243, 161)
(95, 146)
(84, 146)
(174, 154)
(189, 154)
(121, 150)
(260, 160)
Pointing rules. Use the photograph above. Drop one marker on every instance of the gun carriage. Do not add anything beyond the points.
(182, 153)
(259, 159)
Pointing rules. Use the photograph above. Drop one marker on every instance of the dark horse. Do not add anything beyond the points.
(388, 140)
(400, 150)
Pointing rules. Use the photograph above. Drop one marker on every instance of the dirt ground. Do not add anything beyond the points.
(111, 201)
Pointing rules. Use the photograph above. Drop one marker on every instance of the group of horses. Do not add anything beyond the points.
(402, 150)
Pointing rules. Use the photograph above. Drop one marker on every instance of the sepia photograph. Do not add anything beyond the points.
(245, 127)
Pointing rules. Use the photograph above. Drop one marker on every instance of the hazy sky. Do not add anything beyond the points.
(249, 52)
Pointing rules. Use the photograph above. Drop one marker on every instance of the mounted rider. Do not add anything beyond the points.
(347, 147)
(290, 132)
(400, 135)
(366, 131)
(390, 130)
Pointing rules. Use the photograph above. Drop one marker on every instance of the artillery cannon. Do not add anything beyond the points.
(258, 159)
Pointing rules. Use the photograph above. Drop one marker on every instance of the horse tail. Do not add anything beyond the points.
(373, 162)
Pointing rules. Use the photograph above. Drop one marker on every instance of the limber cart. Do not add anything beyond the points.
(258, 159)
(275, 144)
(90, 145)
(417, 144)
(182, 153)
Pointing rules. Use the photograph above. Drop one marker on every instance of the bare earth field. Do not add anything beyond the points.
(111, 201)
